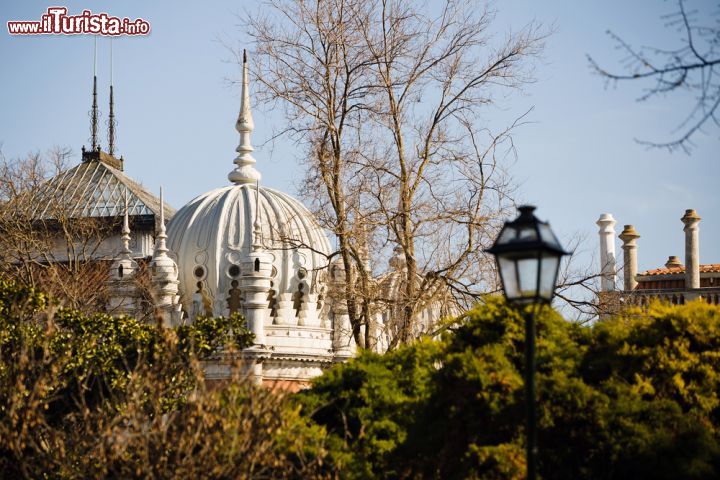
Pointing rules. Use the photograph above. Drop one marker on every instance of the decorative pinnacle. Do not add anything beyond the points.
(245, 171)
(160, 245)
(164, 268)
(126, 230)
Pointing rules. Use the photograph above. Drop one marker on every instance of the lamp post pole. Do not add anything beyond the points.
(528, 258)
(531, 442)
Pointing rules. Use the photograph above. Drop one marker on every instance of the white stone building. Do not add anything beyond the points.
(240, 248)
(253, 250)
(674, 282)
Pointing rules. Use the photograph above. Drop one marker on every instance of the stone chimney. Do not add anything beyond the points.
(606, 222)
(673, 262)
(629, 238)
(692, 249)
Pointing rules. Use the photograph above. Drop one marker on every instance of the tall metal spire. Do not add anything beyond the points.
(94, 110)
(111, 117)
(245, 171)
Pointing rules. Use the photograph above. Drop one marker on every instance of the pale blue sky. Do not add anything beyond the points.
(176, 112)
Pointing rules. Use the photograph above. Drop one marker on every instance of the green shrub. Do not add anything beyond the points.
(631, 397)
(101, 397)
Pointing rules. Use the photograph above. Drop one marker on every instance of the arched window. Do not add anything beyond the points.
(257, 264)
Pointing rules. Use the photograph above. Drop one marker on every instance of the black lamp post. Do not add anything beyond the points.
(528, 258)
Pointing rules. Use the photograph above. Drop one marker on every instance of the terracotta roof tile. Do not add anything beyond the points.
(709, 268)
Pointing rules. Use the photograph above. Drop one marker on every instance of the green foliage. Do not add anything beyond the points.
(93, 354)
(208, 334)
(368, 403)
(635, 396)
(631, 397)
(101, 397)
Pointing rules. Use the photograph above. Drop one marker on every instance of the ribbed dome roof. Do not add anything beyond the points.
(212, 238)
(213, 234)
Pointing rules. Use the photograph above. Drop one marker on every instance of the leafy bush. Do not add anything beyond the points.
(101, 397)
(635, 396)
(631, 397)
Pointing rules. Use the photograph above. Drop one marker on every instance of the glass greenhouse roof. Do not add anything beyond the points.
(94, 189)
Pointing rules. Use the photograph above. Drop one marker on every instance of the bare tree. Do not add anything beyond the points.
(54, 251)
(578, 291)
(691, 66)
(388, 100)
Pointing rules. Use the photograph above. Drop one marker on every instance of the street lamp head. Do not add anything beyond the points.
(528, 258)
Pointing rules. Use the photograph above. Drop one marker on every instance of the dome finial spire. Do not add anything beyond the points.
(245, 171)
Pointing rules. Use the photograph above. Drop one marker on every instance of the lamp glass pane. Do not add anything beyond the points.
(548, 275)
(527, 233)
(547, 235)
(507, 235)
(528, 275)
(508, 273)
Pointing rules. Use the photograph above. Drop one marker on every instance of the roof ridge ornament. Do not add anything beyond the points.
(245, 171)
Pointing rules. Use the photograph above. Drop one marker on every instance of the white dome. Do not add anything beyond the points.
(212, 237)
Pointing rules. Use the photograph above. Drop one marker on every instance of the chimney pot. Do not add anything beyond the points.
(606, 222)
(692, 249)
(629, 237)
(673, 262)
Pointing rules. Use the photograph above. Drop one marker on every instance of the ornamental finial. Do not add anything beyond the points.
(126, 230)
(245, 171)
(160, 244)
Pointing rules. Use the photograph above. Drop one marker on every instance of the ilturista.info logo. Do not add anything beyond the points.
(56, 21)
